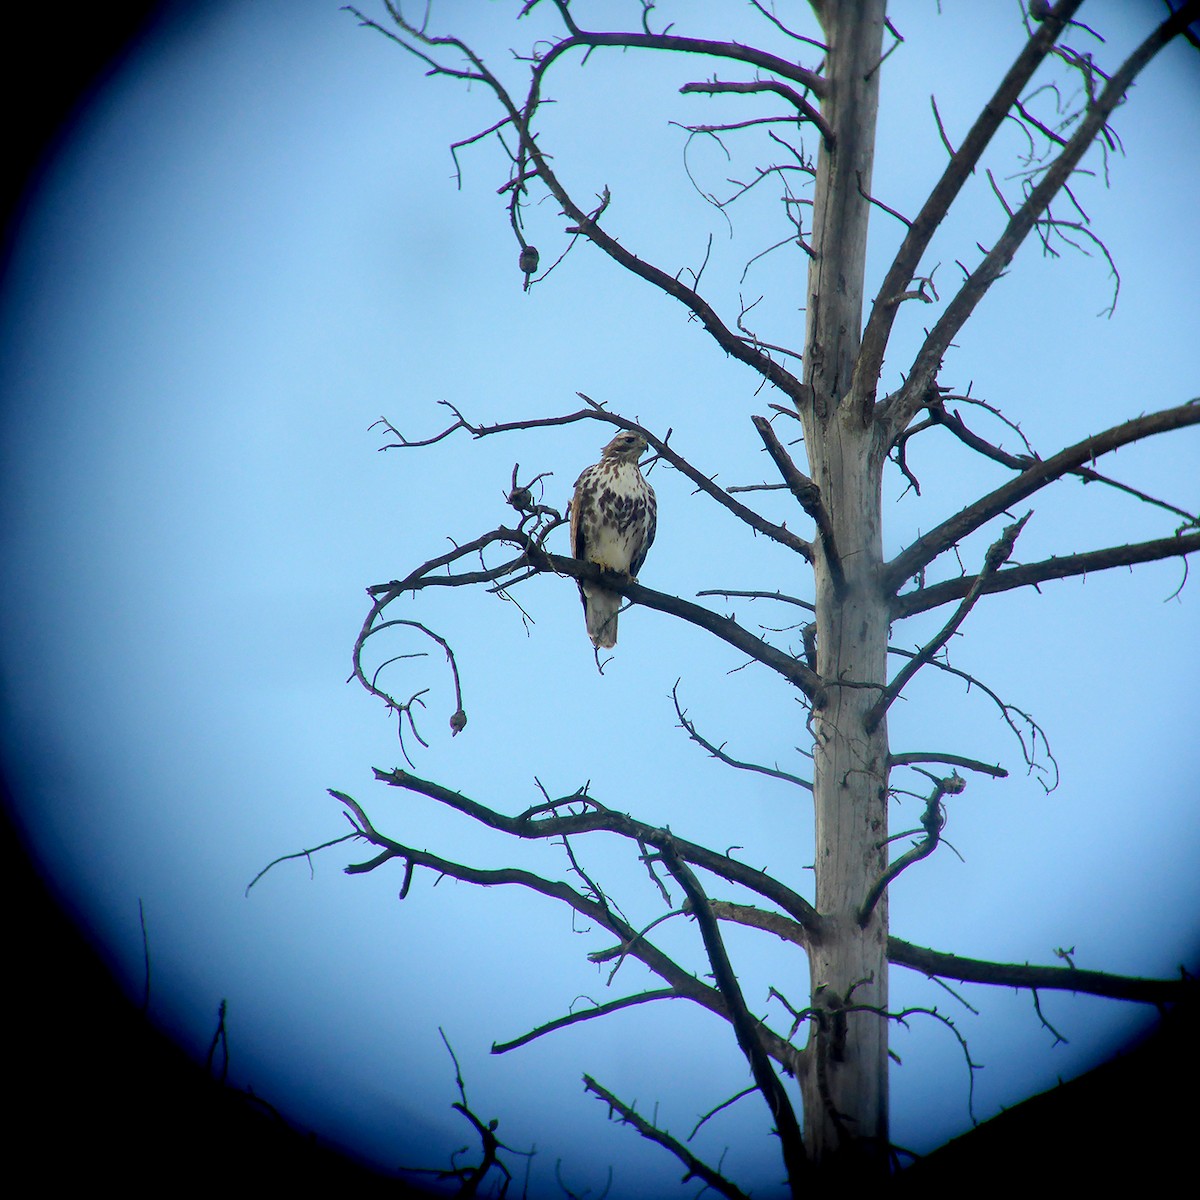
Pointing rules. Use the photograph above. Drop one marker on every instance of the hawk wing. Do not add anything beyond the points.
(649, 526)
(585, 495)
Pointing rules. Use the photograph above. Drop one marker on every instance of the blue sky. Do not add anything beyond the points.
(249, 249)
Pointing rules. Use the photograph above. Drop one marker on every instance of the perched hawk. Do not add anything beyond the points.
(613, 517)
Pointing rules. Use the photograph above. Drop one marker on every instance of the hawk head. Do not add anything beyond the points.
(625, 447)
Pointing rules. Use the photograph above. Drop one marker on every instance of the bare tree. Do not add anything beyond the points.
(847, 664)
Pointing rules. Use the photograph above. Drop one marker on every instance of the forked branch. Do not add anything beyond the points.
(1068, 566)
(596, 816)
(635, 945)
(960, 168)
(899, 410)
(805, 109)
(998, 554)
(661, 447)
(530, 160)
(536, 560)
(939, 539)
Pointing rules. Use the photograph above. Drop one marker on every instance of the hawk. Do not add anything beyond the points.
(613, 519)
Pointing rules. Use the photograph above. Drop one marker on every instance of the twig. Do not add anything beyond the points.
(719, 751)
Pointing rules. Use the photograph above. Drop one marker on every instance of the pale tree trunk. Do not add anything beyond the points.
(845, 1084)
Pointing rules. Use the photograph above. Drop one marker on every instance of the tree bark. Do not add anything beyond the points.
(845, 1081)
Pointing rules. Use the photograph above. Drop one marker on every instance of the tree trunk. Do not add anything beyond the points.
(845, 1082)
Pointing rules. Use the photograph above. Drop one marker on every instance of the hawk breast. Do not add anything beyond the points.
(615, 522)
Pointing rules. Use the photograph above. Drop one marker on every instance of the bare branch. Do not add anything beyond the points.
(770, 16)
(962, 164)
(760, 918)
(792, 669)
(745, 1027)
(998, 554)
(696, 1169)
(900, 408)
(586, 1014)
(926, 548)
(712, 1112)
(807, 111)
(953, 760)
(531, 160)
(598, 817)
(759, 596)
(719, 751)
(304, 854)
(597, 412)
(809, 496)
(811, 80)
(538, 560)
(1035, 731)
(683, 982)
(1031, 574)
(891, 212)
(932, 821)
(471, 1177)
(935, 963)
(954, 422)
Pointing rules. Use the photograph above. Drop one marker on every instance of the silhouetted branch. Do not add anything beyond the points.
(537, 559)
(1023, 975)
(587, 1014)
(712, 1112)
(696, 1169)
(745, 1027)
(806, 110)
(597, 412)
(811, 80)
(938, 964)
(1020, 462)
(471, 1177)
(1029, 752)
(681, 981)
(529, 159)
(597, 817)
(752, 595)
(305, 854)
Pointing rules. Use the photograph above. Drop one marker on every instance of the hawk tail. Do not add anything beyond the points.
(600, 610)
